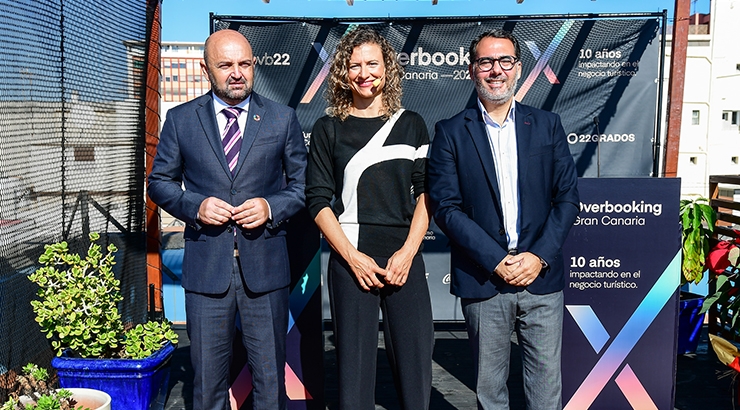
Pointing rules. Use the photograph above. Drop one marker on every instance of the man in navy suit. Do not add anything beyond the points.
(503, 186)
(231, 165)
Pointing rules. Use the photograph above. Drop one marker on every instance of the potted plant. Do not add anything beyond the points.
(31, 391)
(697, 226)
(723, 262)
(77, 309)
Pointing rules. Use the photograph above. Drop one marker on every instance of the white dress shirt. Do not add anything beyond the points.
(502, 139)
(218, 107)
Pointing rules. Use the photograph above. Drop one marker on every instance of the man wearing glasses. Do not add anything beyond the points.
(503, 186)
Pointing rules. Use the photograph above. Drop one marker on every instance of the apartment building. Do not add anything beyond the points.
(710, 124)
(182, 78)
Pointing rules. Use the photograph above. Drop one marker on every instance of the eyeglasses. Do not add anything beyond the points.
(485, 64)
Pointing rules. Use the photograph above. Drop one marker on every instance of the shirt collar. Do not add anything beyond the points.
(487, 118)
(219, 104)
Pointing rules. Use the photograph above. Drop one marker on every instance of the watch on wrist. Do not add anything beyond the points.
(543, 263)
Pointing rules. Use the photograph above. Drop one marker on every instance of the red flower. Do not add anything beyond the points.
(718, 259)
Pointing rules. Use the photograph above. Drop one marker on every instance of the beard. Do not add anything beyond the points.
(227, 94)
(495, 98)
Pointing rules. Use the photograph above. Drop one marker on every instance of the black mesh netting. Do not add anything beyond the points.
(71, 151)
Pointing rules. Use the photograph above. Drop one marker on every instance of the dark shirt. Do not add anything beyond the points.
(371, 185)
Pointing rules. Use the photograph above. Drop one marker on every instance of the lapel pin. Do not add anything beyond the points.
(256, 117)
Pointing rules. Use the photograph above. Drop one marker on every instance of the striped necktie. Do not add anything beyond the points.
(232, 137)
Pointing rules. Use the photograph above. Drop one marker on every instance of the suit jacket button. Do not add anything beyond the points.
(233, 192)
(230, 229)
(501, 232)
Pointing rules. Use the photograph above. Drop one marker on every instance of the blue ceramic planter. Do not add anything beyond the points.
(689, 323)
(133, 384)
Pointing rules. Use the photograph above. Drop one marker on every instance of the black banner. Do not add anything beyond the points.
(601, 75)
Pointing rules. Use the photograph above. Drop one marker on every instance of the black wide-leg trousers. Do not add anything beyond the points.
(408, 332)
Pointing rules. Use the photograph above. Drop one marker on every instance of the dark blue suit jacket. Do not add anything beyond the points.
(190, 166)
(467, 204)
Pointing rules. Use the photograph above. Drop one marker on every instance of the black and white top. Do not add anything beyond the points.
(372, 169)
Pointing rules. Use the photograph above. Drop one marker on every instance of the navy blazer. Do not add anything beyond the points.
(466, 202)
(190, 166)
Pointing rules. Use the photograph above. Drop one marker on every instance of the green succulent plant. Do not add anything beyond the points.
(31, 391)
(143, 340)
(78, 306)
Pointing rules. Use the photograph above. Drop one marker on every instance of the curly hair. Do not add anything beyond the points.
(338, 92)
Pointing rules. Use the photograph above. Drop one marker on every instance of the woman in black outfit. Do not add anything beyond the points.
(368, 155)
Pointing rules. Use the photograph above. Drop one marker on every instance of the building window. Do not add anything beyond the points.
(698, 43)
(692, 160)
(181, 65)
(731, 116)
(175, 78)
(695, 117)
(84, 153)
(167, 79)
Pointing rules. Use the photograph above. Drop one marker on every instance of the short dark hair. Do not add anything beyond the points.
(495, 33)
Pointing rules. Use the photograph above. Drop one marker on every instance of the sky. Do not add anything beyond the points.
(188, 20)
